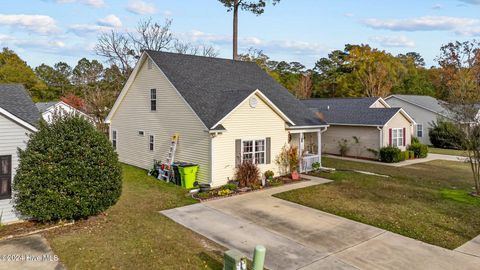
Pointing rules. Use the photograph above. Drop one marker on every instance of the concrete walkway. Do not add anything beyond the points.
(472, 247)
(30, 252)
(430, 157)
(298, 237)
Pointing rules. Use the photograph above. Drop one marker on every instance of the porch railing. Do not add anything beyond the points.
(307, 162)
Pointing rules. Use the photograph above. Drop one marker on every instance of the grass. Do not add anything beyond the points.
(427, 201)
(452, 152)
(134, 235)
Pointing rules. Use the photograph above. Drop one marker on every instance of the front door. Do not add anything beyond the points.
(5, 177)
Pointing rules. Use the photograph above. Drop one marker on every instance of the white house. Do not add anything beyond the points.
(224, 111)
(18, 118)
(49, 109)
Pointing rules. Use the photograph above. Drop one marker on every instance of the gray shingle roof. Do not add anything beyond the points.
(351, 111)
(427, 102)
(43, 106)
(15, 99)
(213, 86)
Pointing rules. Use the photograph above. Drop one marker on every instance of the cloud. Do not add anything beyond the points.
(393, 41)
(426, 23)
(141, 7)
(468, 32)
(110, 21)
(287, 46)
(92, 3)
(42, 44)
(41, 24)
(85, 29)
(437, 6)
(473, 2)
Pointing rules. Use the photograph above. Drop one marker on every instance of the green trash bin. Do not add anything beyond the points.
(188, 173)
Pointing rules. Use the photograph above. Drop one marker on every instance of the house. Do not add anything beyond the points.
(49, 109)
(362, 125)
(224, 111)
(425, 110)
(18, 118)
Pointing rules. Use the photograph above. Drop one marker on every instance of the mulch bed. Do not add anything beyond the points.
(240, 191)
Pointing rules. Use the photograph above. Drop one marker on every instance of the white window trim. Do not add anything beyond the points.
(416, 130)
(151, 99)
(398, 137)
(264, 139)
(152, 149)
(115, 138)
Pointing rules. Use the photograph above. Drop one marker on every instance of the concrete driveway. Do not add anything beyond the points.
(29, 252)
(298, 237)
(430, 157)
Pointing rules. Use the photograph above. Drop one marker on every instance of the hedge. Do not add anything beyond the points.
(419, 150)
(69, 170)
(390, 154)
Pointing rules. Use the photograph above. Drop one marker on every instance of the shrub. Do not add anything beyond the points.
(287, 160)
(415, 140)
(390, 154)
(419, 150)
(247, 174)
(373, 151)
(316, 166)
(411, 154)
(224, 192)
(343, 147)
(69, 170)
(268, 174)
(231, 187)
(446, 135)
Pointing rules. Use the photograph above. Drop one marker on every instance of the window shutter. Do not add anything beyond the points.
(390, 137)
(404, 136)
(268, 150)
(238, 152)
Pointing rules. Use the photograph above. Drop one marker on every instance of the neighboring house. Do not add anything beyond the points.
(225, 112)
(425, 110)
(365, 124)
(49, 109)
(18, 118)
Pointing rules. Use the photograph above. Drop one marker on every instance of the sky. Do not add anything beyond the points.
(50, 31)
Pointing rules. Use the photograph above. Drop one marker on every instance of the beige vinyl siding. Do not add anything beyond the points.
(247, 123)
(378, 104)
(398, 121)
(172, 115)
(369, 137)
(12, 135)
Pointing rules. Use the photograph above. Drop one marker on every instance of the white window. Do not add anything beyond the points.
(397, 137)
(419, 130)
(114, 139)
(254, 150)
(153, 100)
(151, 143)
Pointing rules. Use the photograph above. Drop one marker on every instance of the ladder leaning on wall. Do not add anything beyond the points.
(166, 169)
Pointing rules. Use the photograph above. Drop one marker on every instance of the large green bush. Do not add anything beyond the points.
(390, 154)
(420, 150)
(69, 170)
(446, 135)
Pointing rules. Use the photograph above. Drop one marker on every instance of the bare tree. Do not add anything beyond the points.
(150, 35)
(116, 48)
(194, 49)
(305, 86)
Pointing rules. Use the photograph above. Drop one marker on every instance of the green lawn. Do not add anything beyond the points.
(452, 152)
(427, 201)
(134, 235)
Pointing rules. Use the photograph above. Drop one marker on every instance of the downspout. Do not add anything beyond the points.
(319, 139)
(380, 128)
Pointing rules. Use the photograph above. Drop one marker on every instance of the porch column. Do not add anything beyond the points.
(301, 146)
(319, 146)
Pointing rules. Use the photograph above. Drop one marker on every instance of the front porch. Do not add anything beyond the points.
(309, 144)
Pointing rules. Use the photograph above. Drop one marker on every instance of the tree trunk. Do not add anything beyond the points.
(235, 29)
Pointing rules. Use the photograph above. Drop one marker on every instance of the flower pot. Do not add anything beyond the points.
(204, 187)
(295, 175)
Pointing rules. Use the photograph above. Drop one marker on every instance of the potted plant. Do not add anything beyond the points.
(293, 161)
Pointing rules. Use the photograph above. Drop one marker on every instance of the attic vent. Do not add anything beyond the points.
(150, 63)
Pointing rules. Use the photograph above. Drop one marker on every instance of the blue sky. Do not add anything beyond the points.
(49, 31)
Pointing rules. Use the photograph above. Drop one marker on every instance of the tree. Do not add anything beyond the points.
(257, 7)
(304, 88)
(74, 101)
(123, 49)
(57, 78)
(86, 75)
(69, 170)
(14, 70)
(460, 81)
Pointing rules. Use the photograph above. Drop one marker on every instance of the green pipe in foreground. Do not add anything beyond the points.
(259, 257)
